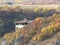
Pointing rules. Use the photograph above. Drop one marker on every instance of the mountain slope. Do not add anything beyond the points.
(40, 30)
(32, 1)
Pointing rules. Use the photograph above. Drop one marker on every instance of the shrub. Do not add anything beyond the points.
(9, 37)
(47, 30)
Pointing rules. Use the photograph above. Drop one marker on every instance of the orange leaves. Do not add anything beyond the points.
(38, 19)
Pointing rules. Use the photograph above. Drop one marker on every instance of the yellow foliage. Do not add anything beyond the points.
(57, 27)
(36, 9)
(42, 36)
(50, 29)
(38, 37)
(34, 38)
(38, 19)
(47, 30)
(30, 29)
(21, 43)
(9, 36)
(45, 10)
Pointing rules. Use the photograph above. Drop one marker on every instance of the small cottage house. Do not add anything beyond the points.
(22, 23)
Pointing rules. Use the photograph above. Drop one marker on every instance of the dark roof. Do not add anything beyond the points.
(24, 21)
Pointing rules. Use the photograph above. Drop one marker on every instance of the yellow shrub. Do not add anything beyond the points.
(34, 38)
(9, 37)
(38, 19)
(36, 9)
(39, 37)
(47, 30)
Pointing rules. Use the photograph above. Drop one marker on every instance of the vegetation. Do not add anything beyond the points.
(39, 30)
(46, 24)
(9, 15)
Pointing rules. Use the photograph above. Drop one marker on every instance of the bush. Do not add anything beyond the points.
(47, 30)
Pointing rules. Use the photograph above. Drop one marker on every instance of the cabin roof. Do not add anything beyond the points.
(24, 21)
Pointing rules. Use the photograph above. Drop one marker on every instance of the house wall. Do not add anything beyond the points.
(18, 27)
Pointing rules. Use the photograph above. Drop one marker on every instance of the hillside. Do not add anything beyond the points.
(31, 2)
(9, 15)
(42, 31)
